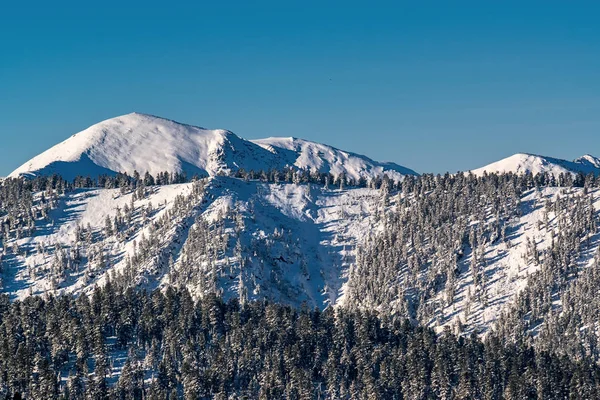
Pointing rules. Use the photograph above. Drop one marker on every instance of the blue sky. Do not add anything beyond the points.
(433, 86)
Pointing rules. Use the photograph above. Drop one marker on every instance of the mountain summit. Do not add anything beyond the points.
(522, 163)
(146, 143)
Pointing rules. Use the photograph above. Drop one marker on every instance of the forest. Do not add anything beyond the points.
(170, 346)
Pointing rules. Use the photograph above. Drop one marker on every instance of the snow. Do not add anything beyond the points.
(145, 143)
(507, 272)
(319, 230)
(522, 163)
(319, 157)
(82, 207)
(589, 160)
(298, 242)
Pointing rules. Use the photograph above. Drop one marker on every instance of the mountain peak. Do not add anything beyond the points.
(588, 160)
(522, 163)
(148, 143)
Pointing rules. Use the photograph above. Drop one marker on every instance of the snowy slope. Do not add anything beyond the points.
(588, 160)
(296, 240)
(319, 157)
(145, 143)
(508, 270)
(290, 243)
(522, 163)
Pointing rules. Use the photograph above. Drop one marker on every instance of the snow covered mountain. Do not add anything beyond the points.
(319, 157)
(145, 143)
(588, 160)
(469, 255)
(291, 243)
(522, 163)
(446, 251)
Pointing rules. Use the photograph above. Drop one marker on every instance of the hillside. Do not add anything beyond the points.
(294, 240)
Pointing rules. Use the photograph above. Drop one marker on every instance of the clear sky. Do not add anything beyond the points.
(433, 85)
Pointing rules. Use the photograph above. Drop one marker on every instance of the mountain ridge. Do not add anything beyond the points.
(146, 143)
(149, 143)
(521, 163)
(454, 251)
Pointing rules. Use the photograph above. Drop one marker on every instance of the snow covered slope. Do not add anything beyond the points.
(145, 143)
(291, 243)
(286, 242)
(319, 157)
(509, 270)
(522, 163)
(588, 160)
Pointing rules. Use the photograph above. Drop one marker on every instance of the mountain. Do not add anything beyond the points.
(145, 143)
(445, 256)
(522, 163)
(484, 256)
(588, 160)
(473, 256)
(292, 242)
(315, 156)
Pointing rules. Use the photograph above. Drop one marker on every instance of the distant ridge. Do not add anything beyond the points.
(522, 163)
(146, 143)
